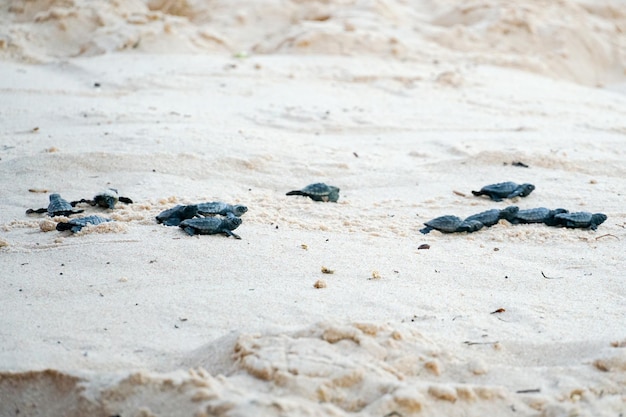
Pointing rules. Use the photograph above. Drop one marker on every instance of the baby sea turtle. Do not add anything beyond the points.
(318, 192)
(505, 190)
(217, 207)
(581, 220)
(445, 224)
(106, 199)
(490, 217)
(211, 226)
(175, 215)
(538, 215)
(451, 224)
(75, 225)
(58, 207)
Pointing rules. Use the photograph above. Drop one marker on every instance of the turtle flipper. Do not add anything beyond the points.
(68, 212)
(82, 200)
(126, 200)
(313, 197)
(190, 230)
(426, 230)
(63, 226)
(490, 195)
(38, 211)
(518, 192)
(230, 233)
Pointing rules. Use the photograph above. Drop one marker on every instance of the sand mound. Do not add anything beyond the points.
(41, 30)
(578, 41)
(563, 39)
(336, 370)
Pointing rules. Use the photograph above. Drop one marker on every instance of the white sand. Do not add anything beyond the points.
(406, 106)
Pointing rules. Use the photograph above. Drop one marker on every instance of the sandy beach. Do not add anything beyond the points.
(321, 308)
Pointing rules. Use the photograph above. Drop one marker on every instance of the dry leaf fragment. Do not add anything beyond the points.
(619, 343)
(320, 283)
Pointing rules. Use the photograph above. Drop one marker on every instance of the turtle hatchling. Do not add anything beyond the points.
(445, 224)
(224, 209)
(451, 224)
(538, 215)
(58, 207)
(318, 192)
(490, 217)
(502, 190)
(75, 225)
(211, 226)
(106, 199)
(581, 220)
(175, 215)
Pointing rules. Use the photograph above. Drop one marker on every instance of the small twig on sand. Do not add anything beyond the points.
(607, 235)
(529, 391)
(546, 277)
(468, 343)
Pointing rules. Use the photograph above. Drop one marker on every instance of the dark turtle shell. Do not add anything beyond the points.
(211, 226)
(75, 225)
(469, 226)
(445, 224)
(490, 217)
(581, 220)
(224, 209)
(58, 206)
(538, 215)
(318, 192)
(535, 215)
(507, 189)
(175, 215)
(487, 218)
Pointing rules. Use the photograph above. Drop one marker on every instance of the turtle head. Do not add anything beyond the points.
(107, 198)
(333, 195)
(232, 222)
(509, 213)
(598, 218)
(527, 189)
(239, 210)
(189, 212)
(469, 226)
(55, 196)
